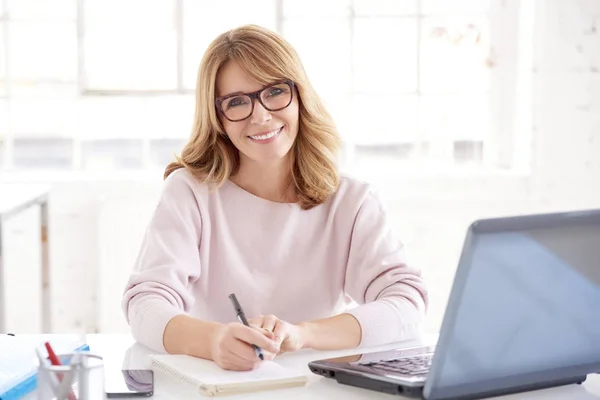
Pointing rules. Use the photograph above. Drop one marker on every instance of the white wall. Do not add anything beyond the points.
(96, 225)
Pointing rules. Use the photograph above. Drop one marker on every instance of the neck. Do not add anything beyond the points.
(268, 180)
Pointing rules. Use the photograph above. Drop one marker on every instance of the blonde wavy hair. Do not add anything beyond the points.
(266, 57)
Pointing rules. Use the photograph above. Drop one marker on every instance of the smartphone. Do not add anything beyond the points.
(129, 383)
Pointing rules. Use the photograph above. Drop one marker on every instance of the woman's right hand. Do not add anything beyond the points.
(231, 347)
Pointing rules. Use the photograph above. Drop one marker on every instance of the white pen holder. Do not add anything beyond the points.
(82, 378)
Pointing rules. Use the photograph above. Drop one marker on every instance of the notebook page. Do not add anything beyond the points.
(209, 373)
(17, 361)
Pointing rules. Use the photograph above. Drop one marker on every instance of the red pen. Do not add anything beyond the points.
(55, 361)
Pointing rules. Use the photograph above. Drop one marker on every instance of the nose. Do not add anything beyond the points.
(260, 115)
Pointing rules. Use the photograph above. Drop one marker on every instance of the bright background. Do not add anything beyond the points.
(456, 110)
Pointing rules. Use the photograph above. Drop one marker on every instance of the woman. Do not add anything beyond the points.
(255, 206)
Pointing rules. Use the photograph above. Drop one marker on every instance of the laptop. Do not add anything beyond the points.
(523, 314)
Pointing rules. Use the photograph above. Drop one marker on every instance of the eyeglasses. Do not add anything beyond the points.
(238, 107)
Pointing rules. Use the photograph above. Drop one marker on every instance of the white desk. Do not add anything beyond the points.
(15, 198)
(121, 351)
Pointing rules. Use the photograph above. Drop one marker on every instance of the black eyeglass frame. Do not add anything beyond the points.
(255, 96)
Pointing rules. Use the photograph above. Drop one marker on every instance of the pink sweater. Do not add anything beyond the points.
(300, 265)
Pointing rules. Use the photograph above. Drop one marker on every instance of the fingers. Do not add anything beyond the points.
(256, 321)
(266, 325)
(236, 367)
(236, 352)
(233, 354)
(253, 336)
(270, 356)
(281, 331)
(269, 322)
(268, 334)
(234, 363)
(242, 350)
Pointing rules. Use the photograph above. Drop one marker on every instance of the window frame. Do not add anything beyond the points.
(510, 88)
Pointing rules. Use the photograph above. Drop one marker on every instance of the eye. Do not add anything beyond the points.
(236, 102)
(275, 91)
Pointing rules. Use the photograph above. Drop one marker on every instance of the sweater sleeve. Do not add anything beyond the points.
(391, 294)
(167, 265)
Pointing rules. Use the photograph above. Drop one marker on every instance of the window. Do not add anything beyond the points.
(3, 58)
(202, 21)
(3, 86)
(129, 45)
(39, 79)
(3, 130)
(106, 84)
(406, 81)
(41, 47)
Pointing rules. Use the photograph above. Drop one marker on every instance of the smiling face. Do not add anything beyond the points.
(265, 136)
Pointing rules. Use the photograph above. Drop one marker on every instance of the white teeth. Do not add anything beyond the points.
(266, 136)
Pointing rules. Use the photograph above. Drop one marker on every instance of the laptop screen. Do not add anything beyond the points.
(526, 306)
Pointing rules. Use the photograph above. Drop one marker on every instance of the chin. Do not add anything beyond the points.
(271, 156)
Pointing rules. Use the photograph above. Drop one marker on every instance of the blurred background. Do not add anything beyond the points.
(455, 110)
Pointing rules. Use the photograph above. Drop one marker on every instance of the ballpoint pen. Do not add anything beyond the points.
(242, 317)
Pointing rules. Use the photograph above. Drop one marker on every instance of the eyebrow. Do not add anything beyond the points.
(240, 92)
(234, 94)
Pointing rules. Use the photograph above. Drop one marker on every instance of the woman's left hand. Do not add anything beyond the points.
(291, 337)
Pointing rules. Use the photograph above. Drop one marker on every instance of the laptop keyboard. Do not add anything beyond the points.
(417, 366)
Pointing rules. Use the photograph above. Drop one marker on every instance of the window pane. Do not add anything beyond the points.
(382, 157)
(340, 108)
(112, 154)
(455, 118)
(324, 50)
(43, 9)
(2, 61)
(130, 45)
(2, 152)
(456, 7)
(162, 151)
(52, 117)
(45, 152)
(169, 117)
(384, 119)
(3, 125)
(385, 7)
(43, 89)
(111, 117)
(203, 22)
(454, 55)
(3, 131)
(314, 9)
(385, 55)
(468, 152)
(42, 51)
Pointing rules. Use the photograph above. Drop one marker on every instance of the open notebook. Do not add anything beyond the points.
(208, 379)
